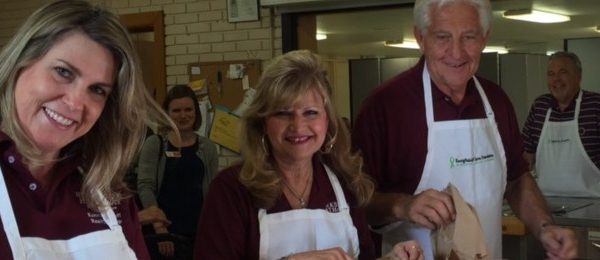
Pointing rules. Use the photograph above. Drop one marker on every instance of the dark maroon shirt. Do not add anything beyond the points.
(589, 122)
(229, 227)
(391, 128)
(56, 212)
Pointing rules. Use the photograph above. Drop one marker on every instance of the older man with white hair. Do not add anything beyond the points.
(437, 124)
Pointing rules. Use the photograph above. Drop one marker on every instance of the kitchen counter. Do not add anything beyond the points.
(582, 215)
(577, 212)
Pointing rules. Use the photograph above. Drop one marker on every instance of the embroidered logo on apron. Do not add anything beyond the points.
(458, 162)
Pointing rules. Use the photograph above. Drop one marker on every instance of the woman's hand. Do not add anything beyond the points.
(331, 253)
(407, 250)
(166, 248)
(153, 214)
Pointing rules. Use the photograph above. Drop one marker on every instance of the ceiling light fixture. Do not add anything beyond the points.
(597, 28)
(535, 16)
(498, 49)
(321, 36)
(406, 44)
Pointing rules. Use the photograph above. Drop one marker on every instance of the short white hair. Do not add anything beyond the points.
(422, 12)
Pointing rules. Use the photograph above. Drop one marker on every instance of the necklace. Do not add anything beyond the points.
(300, 197)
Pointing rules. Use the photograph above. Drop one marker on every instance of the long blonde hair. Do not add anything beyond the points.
(112, 143)
(288, 77)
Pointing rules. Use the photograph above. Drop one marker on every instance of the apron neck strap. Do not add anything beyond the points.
(337, 188)
(108, 215)
(9, 222)
(429, 100)
(577, 108)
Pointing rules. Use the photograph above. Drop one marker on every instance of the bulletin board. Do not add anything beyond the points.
(225, 89)
(226, 84)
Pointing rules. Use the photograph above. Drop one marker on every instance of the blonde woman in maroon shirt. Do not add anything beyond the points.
(299, 192)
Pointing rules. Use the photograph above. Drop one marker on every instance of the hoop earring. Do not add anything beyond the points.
(328, 145)
(264, 146)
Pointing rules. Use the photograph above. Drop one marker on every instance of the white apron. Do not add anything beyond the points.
(97, 245)
(470, 155)
(563, 166)
(301, 230)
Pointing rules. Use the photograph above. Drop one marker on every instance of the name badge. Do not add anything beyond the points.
(173, 154)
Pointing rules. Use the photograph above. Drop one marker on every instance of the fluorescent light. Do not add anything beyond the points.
(406, 44)
(321, 36)
(535, 16)
(549, 53)
(597, 28)
(498, 49)
(412, 44)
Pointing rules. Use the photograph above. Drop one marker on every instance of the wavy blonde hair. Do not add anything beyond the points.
(110, 146)
(287, 78)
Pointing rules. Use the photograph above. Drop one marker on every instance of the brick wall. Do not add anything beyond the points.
(196, 31)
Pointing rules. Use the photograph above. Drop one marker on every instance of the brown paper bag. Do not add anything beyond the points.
(462, 239)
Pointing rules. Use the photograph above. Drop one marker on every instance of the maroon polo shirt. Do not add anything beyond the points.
(391, 128)
(228, 227)
(56, 212)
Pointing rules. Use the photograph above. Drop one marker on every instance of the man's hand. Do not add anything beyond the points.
(559, 242)
(431, 209)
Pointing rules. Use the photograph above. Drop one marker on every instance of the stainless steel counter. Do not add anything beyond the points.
(582, 215)
(577, 212)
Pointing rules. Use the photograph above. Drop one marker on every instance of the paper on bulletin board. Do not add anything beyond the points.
(199, 87)
(225, 129)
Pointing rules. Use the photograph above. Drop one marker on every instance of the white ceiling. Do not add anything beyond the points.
(362, 33)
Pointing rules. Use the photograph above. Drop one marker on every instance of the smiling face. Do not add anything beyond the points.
(452, 45)
(181, 110)
(297, 132)
(563, 80)
(60, 97)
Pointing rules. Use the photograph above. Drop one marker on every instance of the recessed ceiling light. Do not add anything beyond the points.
(406, 43)
(535, 16)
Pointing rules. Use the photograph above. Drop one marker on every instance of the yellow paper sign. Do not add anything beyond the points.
(225, 130)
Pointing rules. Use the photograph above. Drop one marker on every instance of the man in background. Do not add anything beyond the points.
(562, 132)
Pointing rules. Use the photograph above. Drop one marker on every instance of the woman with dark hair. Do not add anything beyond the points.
(174, 177)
